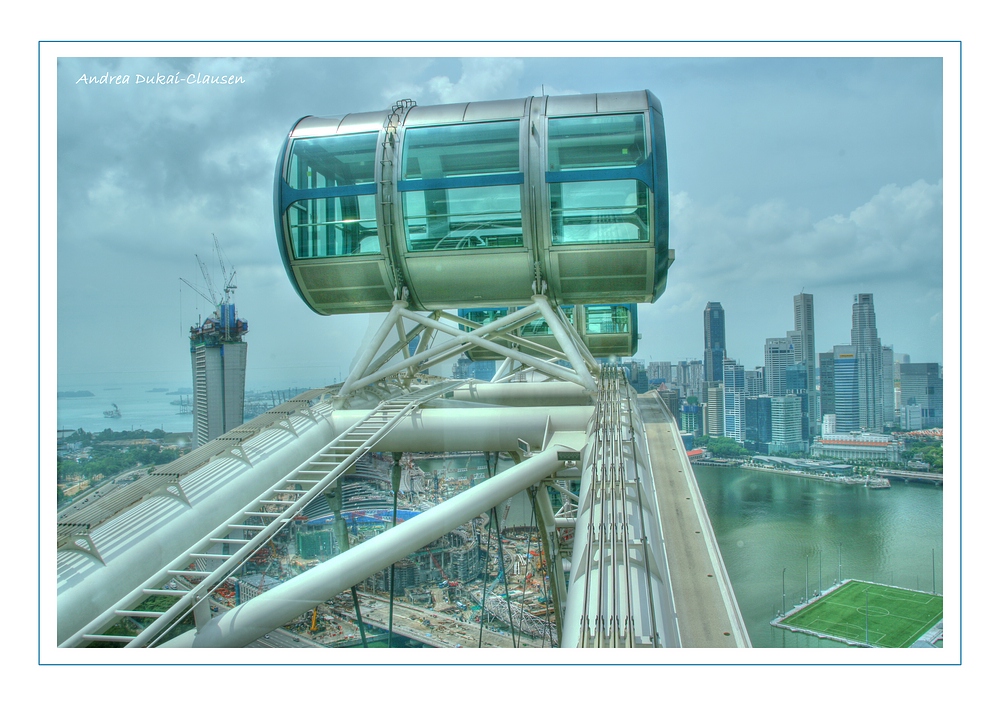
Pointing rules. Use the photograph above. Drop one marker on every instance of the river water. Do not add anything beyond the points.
(768, 524)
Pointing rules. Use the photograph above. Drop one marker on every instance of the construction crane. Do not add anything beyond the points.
(210, 294)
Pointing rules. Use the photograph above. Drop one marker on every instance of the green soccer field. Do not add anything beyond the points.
(895, 617)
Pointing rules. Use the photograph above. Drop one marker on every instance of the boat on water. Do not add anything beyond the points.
(114, 413)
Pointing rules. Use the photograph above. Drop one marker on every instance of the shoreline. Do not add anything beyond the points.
(873, 481)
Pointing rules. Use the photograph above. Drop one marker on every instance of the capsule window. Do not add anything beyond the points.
(337, 160)
(333, 227)
(540, 326)
(599, 212)
(465, 149)
(462, 218)
(603, 318)
(606, 141)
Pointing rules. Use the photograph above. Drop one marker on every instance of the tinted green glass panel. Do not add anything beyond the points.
(333, 227)
(468, 149)
(325, 162)
(599, 211)
(607, 319)
(463, 218)
(539, 326)
(596, 142)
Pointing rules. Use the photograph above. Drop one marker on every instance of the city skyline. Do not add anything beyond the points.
(822, 175)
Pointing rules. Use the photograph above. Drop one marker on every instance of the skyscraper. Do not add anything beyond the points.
(218, 370)
(805, 325)
(779, 353)
(715, 341)
(734, 394)
(921, 386)
(864, 338)
(846, 388)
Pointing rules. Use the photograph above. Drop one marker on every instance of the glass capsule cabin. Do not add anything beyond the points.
(606, 329)
(476, 204)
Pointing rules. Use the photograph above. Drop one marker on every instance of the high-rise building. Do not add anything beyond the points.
(659, 370)
(755, 382)
(779, 353)
(845, 388)
(218, 370)
(714, 410)
(796, 382)
(734, 391)
(758, 426)
(786, 424)
(921, 386)
(888, 387)
(805, 325)
(715, 341)
(868, 346)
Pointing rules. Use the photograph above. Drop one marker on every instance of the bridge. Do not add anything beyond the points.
(543, 221)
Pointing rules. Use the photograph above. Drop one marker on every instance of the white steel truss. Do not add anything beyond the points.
(519, 353)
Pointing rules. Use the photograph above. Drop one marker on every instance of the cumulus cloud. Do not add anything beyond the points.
(481, 79)
(891, 245)
(896, 234)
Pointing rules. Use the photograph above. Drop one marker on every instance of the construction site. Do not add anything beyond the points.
(438, 593)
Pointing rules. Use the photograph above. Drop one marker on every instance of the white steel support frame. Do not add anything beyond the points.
(280, 605)
(530, 355)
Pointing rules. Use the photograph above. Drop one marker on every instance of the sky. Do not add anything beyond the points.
(822, 175)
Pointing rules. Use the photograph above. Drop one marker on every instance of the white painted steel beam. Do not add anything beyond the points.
(282, 604)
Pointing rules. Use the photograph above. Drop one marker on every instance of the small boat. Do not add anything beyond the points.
(113, 413)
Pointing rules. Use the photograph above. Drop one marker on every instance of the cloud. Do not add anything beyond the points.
(896, 235)
(481, 79)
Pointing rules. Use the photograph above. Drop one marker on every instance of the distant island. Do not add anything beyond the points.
(182, 390)
(157, 390)
(72, 395)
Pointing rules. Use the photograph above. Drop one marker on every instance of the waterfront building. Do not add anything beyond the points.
(868, 350)
(786, 425)
(869, 447)
(920, 385)
(733, 385)
(758, 426)
(714, 422)
(846, 399)
(218, 371)
(715, 341)
(805, 325)
(779, 353)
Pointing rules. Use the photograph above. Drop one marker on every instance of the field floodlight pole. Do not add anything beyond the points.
(840, 564)
(807, 580)
(933, 574)
(783, 591)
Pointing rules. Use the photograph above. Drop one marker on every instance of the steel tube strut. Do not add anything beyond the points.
(282, 604)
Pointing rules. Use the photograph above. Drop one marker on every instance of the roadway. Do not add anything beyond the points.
(707, 613)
